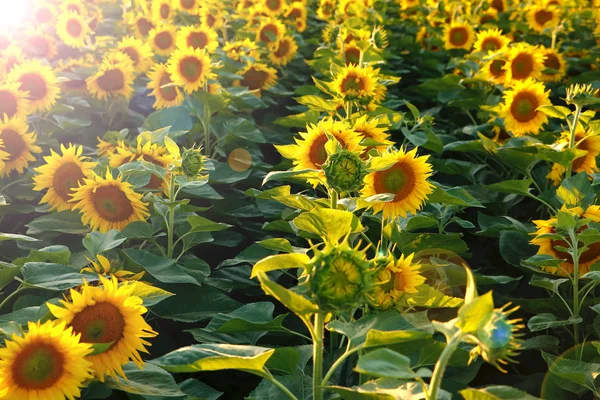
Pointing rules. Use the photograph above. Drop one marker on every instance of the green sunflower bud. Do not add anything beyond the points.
(341, 278)
(192, 162)
(345, 171)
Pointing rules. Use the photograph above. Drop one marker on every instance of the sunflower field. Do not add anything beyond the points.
(299, 199)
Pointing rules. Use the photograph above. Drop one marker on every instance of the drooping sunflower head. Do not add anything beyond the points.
(14, 102)
(46, 362)
(497, 338)
(197, 37)
(542, 17)
(241, 48)
(108, 203)
(282, 51)
(38, 81)
(109, 313)
(524, 61)
(458, 35)
(555, 66)
(257, 76)
(354, 83)
(138, 51)
(190, 68)
(270, 30)
(373, 135)
(405, 177)
(114, 77)
(491, 41)
(340, 277)
(60, 175)
(163, 39)
(18, 143)
(72, 29)
(394, 279)
(163, 89)
(520, 107)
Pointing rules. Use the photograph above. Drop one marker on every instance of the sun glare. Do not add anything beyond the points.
(13, 13)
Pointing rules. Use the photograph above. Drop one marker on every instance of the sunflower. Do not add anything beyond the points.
(351, 54)
(38, 81)
(60, 175)
(241, 48)
(106, 147)
(189, 6)
(589, 142)
(197, 37)
(104, 267)
(108, 314)
(524, 61)
(326, 9)
(162, 39)
(355, 83)
(139, 52)
(257, 76)
(397, 278)
(43, 14)
(541, 17)
(163, 89)
(75, 6)
(273, 7)
(72, 29)
(520, 105)
(350, 8)
(270, 30)
(282, 51)
(211, 16)
(555, 67)
(18, 143)
(499, 5)
(494, 70)
(108, 203)
(114, 77)
(370, 130)
(13, 101)
(296, 11)
(149, 152)
(490, 41)
(406, 179)
(162, 10)
(11, 57)
(458, 35)
(47, 362)
(141, 24)
(189, 68)
(489, 16)
(550, 246)
(38, 44)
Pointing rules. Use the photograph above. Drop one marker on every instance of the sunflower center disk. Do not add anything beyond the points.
(132, 53)
(283, 49)
(74, 27)
(522, 66)
(99, 323)
(254, 79)
(491, 44)
(398, 180)
(8, 104)
(543, 16)
(144, 26)
(112, 204)
(524, 107)
(163, 40)
(273, 4)
(197, 40)
(496, 67)
(187, 4)
(269, 33)
(317, 153)
(459, 36)
(168, 93)
(164, 11)
(13, 144)
(39, 366)
(191, 68)
(352, 83)
(111, 81)
(66, 178)
(551, 61)
(35, 85)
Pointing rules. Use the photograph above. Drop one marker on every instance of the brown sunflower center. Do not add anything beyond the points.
(498, 5)
(66, 178)
(295, 13)
(197, 40)
(163, 40)
(43, 15)
(144, 26)
(497, 68)
(132, 53)
(459, 36)
(74, 27)
(491, 44)
(543, 16)
(269, 33)
(352, 83)
(591, 254)
(8, 103)
(168, 93)
(398, 180)
(274, 4)
(283, 49)
(210, 20)
(191, 68)
(187, 4)
(317, 153)
(99, 323)
(34, 84)
(111, 80)
(579, 163)
(9, 63)
(38, 46)
(112, 204)
(165, 10)
(522, 66)
(74, 8)
(254, 79)
(38, 366)
(486, 18)
(14, 144)
(352, 55)
(552, 61)
(524, 106)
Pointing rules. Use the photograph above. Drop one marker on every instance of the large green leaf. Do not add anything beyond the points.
(97, 242)
(496, 393)
(54, 276)
(151, 295)
(280, 261)
(163, 269)
(386, 363)
(192, 304)
(546, 320)
(293, 301)
(331, 225)
(201, 224)
(515, 186)
(149, 381)
(215, 357)
(63, 221)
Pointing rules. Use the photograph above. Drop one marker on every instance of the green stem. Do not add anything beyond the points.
(576, 304)
(440, 366)
(334, 198)
(318, 356)
(338, 363)
(206, 124)
(572, 137)
(10, 297)
(171, 220)
(280, 385)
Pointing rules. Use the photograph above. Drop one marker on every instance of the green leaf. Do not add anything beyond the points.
(16, 237)
(576, 191)
(97, 242)
(280, 261)
(176, 118)
(163, 269)
(293, 301)
(547, 283)
(291, 175)
(496, 393)
(7, 274)
(555, 111)
(546, 320)
(331, 225)
(149, 381)
(298, 120)
(474, 313)
(215, 357)
(201, 224)
(386, 363)
(456, 196)
(581, 373)
(192, 305)
(385, 389)
(151, 295)
(63, 221)
(316, 103)
(196, 390)
(277, 244)
(513, 186)
(54, 276)
(54, 254)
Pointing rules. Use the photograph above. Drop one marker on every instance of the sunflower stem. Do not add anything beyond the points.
(10, 297)
(334, 198)
(576, 304)
(171, 220)
(440, 366)
(206, 124)
(319, 327)
(572, 137)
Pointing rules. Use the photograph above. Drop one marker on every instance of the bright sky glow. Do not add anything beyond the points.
(12, 14)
